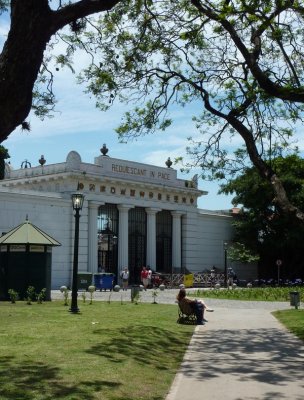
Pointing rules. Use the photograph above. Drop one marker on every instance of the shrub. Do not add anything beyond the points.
(14, 296)
(30, 294)
(92, 289)
(41, 296)
(154, 295)
(84, 296)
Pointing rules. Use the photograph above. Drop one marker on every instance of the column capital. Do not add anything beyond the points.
(177, 214)
(94, 204)
(152, 210)
(124, 207)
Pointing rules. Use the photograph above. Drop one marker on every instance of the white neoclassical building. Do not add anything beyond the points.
(134, 214)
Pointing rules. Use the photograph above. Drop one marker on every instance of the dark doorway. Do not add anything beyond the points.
(137, 242)
(164, 241)
(107, 225)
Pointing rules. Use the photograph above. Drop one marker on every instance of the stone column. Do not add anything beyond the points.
(176, 239)
(151, 236)
(92, 236)
(123, 237)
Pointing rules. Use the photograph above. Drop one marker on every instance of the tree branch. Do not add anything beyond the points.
(294, 94)
(80, 9)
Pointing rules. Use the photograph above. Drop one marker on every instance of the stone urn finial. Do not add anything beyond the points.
(104, 150)
(169, 163)
(42, 160)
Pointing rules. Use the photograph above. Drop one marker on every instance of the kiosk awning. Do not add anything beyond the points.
(27, 233)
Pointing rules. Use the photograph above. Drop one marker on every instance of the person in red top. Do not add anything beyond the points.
(144, 277)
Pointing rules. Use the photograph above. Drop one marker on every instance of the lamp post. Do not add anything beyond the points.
(77, 202)
(225, 263)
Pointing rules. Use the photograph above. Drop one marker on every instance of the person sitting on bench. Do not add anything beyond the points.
(198, 306)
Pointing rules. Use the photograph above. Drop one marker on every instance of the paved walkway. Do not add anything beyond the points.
(242, 353)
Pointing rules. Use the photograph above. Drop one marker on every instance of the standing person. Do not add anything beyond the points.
(230, 276)
(144, 277)
(125, 278)
(149, 277)
(212, 276)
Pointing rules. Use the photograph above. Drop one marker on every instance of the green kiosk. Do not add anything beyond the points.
(25, 260)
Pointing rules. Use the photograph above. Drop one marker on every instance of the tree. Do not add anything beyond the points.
(242, 61)
(239, 252)
(263, 228)
(24, 60)
(3, 156)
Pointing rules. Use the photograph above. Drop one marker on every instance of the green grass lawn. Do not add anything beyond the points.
(252, 294)
(293, 320)
(110, 351)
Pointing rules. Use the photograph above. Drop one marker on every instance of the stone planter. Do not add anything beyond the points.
(63, 289)
(91, 289)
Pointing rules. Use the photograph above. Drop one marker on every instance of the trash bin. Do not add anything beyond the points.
(134, 292)
(84, 280)
(104, 281)
(294, 299)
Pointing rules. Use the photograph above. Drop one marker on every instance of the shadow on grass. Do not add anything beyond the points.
(29, 380)
(145, 347)
(32, 380)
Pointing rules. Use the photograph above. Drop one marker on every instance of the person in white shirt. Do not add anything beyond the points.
(125, 278)
(149, 277)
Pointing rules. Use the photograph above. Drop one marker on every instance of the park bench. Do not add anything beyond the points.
(186, 314)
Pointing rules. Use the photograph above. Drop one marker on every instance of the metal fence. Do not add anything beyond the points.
(204, 279)
(200, 279)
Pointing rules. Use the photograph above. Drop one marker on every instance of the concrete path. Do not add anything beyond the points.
(241, 353)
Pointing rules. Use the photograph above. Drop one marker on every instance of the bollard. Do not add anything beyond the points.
(134, 293)
(294, 299)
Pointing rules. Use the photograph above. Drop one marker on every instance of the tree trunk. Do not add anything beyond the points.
(32, 25)
(20, 61)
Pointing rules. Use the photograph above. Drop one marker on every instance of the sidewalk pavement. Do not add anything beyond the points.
(242, 353)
